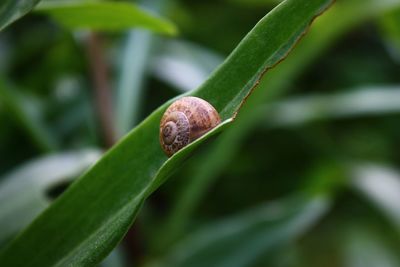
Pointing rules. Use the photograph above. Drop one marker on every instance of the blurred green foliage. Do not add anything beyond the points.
(324, 122)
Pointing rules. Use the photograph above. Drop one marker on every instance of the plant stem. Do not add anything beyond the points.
(102, 89)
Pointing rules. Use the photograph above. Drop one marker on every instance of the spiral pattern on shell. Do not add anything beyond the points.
(184, 121)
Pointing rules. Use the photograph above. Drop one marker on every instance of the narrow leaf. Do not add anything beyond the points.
(23, 191)
(27, 113)
(135, 58)
(380, 185)
(391, 32)
(371, 100)
(11, 10)
(105, 16)
(91, 217)
(241, 240)
(184, 65)
(364, 247)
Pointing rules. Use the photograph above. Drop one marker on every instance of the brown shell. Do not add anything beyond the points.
(184, 121)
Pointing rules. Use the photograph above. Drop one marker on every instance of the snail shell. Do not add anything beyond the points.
(184, 121)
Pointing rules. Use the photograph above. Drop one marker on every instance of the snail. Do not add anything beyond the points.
(184, 121)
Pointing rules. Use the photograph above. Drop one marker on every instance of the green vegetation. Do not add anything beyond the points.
(287, 179)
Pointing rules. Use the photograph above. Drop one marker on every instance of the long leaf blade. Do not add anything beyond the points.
(90, 218)
(105, 16)
(239, 241)
(11, 10)
(23, 191)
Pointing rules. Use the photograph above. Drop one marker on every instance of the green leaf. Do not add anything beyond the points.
(132, 79)
(135, 58)
(91, 217)
(23, 191)
(370, 100)
(391, 32)
(366, 247)
(184, 65)
(27, 113)
(241, 240)
(322, 36)
(104, 16)
(381, 186)
(256, 2)
(11, 10)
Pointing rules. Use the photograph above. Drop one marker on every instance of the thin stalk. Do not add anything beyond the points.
(102, 90)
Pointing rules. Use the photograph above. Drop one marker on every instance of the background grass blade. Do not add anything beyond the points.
(184, 65)
(27, 113)
(135, 58)
(371, 100)
(26, 191)
(109, 195)
(380, 185)
(363, 247)
(239, 241)
(11, 10)
(391, 32)
(104, 16)
(131, 84)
